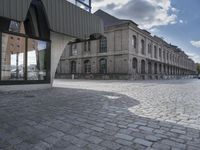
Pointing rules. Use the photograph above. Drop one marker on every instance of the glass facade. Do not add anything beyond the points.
(24, 59)
(12, 57)
(36, 60)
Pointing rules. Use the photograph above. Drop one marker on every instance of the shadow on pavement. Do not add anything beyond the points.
(61, 118)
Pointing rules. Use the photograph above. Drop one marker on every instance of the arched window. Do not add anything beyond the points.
(164, 67)
(135, 64)
(134, 41)
(73, 66)
(160, 52)
(103, 65)
(164, 54)
(103, 45)
(150, 49)
(142, 47)
(155, 68)
(155, 52)
(142, 67)
(160, 68)
(149, 68)
(87, 66)
(167, 56)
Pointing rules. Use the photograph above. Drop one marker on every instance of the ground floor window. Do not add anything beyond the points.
(103, 66)
(24, 59)
(73, 67)
(142, 67)
(12, 57)
(87, 66)
(36, 60)
(135, 64)
(149, 68)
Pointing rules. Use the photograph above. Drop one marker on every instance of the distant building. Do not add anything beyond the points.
(124, 52)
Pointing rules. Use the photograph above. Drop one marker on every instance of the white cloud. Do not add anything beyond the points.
(147, 13)
(195, 43)
(194, 56)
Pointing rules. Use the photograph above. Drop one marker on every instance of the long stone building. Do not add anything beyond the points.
(124, 52)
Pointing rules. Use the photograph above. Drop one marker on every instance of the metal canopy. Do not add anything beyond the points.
(63, 16)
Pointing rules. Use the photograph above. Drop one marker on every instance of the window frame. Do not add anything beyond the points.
(142, 46)
(155, 51)
(86, 70)
(72, 65)
(134, 41)
(103, 45)
(26, 81)
(100, 67)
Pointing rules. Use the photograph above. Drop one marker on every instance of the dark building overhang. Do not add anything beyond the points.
(63, 17)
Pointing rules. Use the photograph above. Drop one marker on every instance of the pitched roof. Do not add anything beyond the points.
(108, 19)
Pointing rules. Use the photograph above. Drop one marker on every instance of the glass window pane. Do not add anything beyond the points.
(36, 60)
(14, 26)
(12, 57)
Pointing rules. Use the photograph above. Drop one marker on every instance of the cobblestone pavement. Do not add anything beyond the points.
(103, 115)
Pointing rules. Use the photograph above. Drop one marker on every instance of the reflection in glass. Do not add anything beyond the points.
(36, 60)
(12, 57)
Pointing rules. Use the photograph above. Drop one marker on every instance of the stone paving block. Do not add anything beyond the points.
(124, 136)
(148, 129)
(97, 129)
(76, 141)
(94, 139)
(51, 140)
(125, 131)
(178, 131)
(124, 142)
(82, 135)
(111, 145)
(94, 147)
(58, 134)
(161, 146)
(152, 138)
(143, 142)
(41, 146)
(173, 143)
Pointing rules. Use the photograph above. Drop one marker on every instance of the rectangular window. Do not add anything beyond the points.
(155, 52)
(103, 45)
(73, 49)
(160, 52)
(150, 49)
(87, 46)
(24, 59)
(36, 60)
(12, 57)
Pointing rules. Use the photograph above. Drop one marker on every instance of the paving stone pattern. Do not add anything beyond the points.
(102, 115)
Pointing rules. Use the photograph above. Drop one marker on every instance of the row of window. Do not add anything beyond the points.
(157, 67)
(87, 47)
(156, 52)
(87, 66)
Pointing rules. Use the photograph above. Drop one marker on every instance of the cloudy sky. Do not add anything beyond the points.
(177, 21)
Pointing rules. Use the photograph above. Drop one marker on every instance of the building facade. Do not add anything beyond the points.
(33, 36)
(124, 52)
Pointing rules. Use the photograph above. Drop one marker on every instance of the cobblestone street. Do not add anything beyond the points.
(103, 115)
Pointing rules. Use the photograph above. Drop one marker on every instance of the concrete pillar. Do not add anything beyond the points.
(58, 44)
